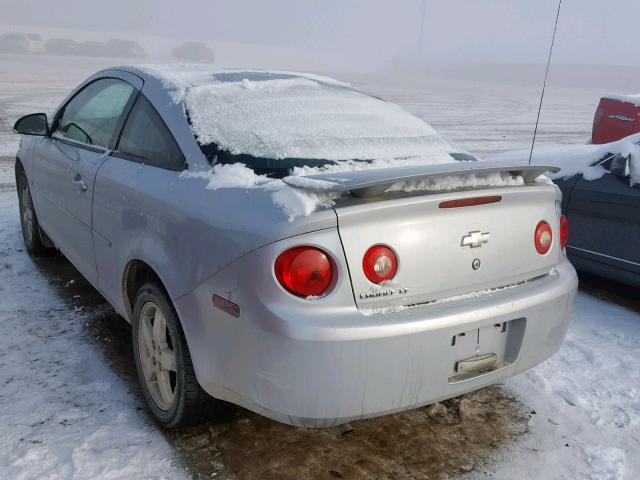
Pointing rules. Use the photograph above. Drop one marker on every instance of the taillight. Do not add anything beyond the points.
(543, 238)
(379, 264)
(564, 231)
(305, 271)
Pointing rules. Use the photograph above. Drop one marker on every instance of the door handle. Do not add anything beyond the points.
(79, 183)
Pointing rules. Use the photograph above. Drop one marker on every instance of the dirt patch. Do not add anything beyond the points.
(451, 437)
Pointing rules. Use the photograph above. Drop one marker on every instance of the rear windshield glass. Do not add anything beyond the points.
(277, 121)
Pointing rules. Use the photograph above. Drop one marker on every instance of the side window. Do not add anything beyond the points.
(92, 116)
(146, 139)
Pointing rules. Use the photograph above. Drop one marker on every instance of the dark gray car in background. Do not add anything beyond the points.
(605, 221)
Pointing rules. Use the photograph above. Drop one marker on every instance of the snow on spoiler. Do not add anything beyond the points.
(374, 182)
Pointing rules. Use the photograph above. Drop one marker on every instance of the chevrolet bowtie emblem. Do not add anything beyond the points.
(475, 239)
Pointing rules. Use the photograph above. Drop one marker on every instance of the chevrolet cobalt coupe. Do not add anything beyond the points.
(290, 244)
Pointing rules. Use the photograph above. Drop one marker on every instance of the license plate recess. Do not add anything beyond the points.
(483, 350)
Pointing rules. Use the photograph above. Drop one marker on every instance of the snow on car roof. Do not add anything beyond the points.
(633, 99)
(280, 114)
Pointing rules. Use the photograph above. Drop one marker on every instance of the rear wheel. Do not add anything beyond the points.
(34, 239)
(163, 363)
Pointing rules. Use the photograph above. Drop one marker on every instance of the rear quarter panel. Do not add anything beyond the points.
(185, 232)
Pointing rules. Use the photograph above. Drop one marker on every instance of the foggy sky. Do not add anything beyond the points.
(590, 31)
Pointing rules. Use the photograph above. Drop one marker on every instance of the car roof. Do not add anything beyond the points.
(202, 74)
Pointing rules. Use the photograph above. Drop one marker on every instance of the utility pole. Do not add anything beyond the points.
(423, 14)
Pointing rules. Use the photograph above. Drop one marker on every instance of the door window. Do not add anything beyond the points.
(146, 139)
(91, 117)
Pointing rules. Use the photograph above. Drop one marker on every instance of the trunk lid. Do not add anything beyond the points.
(436, 245)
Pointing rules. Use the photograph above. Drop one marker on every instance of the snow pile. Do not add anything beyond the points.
(453, 182)
(300, 203)
(235, 175)
(294, 202)
(633, 99)
(579, 159)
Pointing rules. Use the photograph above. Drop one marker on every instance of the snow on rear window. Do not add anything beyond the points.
(301, 118)
(280, 115)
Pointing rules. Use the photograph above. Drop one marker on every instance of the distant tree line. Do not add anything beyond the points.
(31, 43)
(114, 47)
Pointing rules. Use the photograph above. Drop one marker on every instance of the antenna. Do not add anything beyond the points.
(546, 75)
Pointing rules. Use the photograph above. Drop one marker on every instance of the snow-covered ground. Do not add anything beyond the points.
(586, 399)
(64, 413)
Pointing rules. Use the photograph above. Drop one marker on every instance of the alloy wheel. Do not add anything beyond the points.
(27, 213)
(157, 355)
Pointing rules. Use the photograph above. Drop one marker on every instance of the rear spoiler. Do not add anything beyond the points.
(374, 182)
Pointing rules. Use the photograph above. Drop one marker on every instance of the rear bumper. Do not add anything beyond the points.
(357, 366)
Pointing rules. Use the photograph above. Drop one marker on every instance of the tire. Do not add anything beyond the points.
(165, 370)
(35, 240)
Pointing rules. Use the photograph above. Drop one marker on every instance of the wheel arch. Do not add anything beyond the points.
(136, 273)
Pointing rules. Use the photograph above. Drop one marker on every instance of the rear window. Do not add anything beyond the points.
(270, 121)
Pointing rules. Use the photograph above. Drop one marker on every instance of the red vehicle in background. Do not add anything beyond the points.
(617, 116)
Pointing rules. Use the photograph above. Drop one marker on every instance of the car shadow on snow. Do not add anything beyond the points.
(610, 291)
(455, 436)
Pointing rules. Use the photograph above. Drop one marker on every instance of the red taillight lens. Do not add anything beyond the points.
(379, 264)
(564, 231)
(543, 238)
(305, 271)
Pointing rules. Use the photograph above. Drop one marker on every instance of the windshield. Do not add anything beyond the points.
(271, 121)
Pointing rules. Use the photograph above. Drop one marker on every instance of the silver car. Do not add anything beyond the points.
(289, 244)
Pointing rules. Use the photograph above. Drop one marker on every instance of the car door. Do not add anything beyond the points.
(604, 219)
(82, 133)
(135, 198)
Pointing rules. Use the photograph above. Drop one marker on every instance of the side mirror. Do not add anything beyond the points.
(34, 124)
(620, 166)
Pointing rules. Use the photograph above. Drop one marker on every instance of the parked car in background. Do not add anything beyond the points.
(604, 214)
(61, 46)
(35, 44)
(195, 52)
(21, 43)
(331, 287)
(118, 47)
(617, 116)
